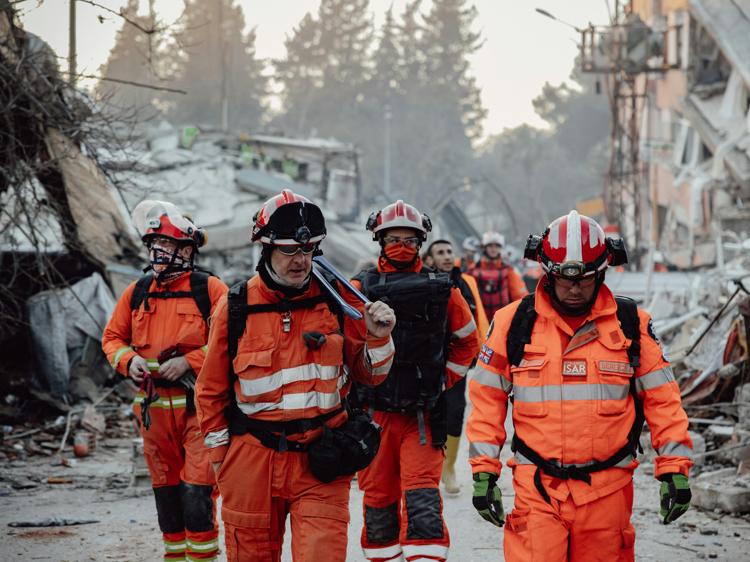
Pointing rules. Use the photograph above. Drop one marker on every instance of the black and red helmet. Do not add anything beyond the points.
(288, 219)
(399, 215)
(575, 246)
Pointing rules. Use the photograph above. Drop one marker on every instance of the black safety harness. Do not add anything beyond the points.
(271, 434)
(198, 292)
(519, 335)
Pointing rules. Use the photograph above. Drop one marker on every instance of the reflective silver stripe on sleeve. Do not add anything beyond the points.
(456, 368)
(488, 378)
(654, 379)
(520, 459)
(380, 353)
(675, 449)
(570, 392)
(118, 355)
(479, 449)
(466, 330)
(216, 438)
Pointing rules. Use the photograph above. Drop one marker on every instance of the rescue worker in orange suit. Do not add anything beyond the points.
(584, 368)
(157, 336)
(282, 379)
(499, 283)
(441, 253)
(435, 338)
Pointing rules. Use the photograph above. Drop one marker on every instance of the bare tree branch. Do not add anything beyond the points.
(130, 83)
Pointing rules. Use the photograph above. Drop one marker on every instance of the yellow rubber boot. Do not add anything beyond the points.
(449, 466)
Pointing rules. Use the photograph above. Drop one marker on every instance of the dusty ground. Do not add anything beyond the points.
(127, 529)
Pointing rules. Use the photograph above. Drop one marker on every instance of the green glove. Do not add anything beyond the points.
(487, 499)
(675, 496)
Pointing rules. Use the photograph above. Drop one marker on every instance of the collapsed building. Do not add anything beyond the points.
(678, 188)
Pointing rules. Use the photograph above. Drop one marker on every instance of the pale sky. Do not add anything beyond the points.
(522, 49)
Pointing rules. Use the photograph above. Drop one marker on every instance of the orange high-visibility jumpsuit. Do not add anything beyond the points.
(280, 379)
(499, 284)
(181, 474)
(402, 504)
(572, 403)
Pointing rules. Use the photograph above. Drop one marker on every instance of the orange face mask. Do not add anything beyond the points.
(400, 254)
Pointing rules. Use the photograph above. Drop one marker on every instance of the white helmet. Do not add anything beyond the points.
(470, 244)
(492, 237)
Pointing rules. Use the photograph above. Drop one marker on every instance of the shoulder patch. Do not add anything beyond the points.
(485, 355)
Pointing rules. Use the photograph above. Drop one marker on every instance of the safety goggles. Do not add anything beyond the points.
(411, 242)
(306, 249)
(570, 282)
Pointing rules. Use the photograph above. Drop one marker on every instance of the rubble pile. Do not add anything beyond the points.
(76, 434)
(703, 320)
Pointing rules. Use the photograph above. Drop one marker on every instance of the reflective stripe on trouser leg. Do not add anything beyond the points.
(424, 523)
(171, 523)
(423, 530)
(174, 546)
(201, 531)
(381, 532)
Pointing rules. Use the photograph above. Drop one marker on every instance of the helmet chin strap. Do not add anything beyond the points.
(566, 309)
(172, 269)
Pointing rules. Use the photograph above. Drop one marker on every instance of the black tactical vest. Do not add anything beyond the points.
(420, 301)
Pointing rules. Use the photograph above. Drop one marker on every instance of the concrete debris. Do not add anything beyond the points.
(722, 490)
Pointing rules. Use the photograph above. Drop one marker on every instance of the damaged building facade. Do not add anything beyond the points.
(678, 76)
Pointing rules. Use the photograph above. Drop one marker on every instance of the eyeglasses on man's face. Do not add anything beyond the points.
(411, 242)
(295, 249)
(568, 283)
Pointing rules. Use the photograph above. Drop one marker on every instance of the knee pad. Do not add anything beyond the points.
(169, 509)
(423, 512)
(198, 507)
(381, 524)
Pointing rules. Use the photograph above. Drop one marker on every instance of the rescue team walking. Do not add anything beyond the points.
(585, 370)
(157, 336)
(302, 378)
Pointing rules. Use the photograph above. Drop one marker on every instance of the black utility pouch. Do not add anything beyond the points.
(346, 449)
(325, 457)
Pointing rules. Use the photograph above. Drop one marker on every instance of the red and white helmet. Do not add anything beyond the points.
(399, 215)
(159, 218)
(492, 237)
(575, 246)
(288, 219)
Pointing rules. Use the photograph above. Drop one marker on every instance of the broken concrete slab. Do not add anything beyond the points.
(722, 490)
